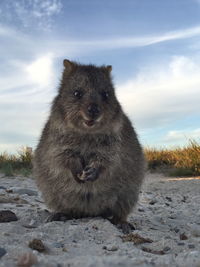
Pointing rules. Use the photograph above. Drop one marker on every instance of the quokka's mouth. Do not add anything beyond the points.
(89, 123)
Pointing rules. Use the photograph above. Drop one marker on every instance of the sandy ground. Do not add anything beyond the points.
(168, 213)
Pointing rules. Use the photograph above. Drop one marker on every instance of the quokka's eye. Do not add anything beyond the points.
(78, 93)
(105, 95)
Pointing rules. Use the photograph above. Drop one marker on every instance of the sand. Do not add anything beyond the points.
(166, 218)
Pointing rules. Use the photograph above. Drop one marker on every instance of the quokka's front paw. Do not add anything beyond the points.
(89, 174)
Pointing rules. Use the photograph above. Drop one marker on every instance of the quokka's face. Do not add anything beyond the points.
(87, 97)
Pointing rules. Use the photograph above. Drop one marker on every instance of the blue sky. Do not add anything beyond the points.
(153, 46)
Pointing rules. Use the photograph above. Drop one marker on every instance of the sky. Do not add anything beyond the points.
(152, 45)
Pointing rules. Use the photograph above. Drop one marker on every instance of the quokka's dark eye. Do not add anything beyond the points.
(78, 93)
(105, 95)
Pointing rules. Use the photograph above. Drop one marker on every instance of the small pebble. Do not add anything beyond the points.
(183, 236)
(191, 246)
(176, 229)
(9, 190)
(166, 249)
(95, 227)
(169, 199)
(172, 217)
(113, 248)
(184, 199)
(152, 202)
(141, 210)
(58, 245)
(2, 252)
(37, 244)
(180, 243)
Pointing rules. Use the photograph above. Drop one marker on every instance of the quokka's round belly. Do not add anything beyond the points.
(88, 204)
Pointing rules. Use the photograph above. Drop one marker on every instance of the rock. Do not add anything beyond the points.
(2, 252)
(166, 249)
(7, 216)
(37, 244)
(9, 190)
(112, 248)
(58, 245)
(176, 229)
(140, 209)
(23, 191)
(172, 216)
(191, 246)
(180, 243)
(94, 226)
(184, 199)
(152, 202)
(183, 236)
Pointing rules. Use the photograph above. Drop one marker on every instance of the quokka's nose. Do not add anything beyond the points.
(93, 110)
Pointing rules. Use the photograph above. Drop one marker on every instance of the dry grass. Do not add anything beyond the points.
(17, 164)
(182, 161)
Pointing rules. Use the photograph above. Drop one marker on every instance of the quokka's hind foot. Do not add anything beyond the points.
(58, 216)
(125, 226)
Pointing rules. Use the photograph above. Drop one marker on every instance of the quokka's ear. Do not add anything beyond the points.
(69, 66)
(109, 68)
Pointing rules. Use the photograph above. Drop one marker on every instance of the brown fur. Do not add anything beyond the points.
(108, 148)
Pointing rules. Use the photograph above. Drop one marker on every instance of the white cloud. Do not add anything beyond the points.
(160, 95)
(41, 70)
(25, 100)
(62, 46)
(35, 79)
(182, 136)
(9, 148)
(31, 12)
(134, 41)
